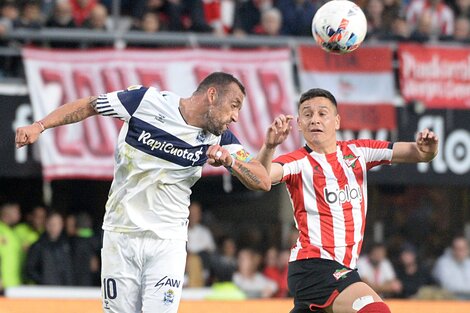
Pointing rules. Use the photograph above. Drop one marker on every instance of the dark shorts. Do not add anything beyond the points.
(315, 283)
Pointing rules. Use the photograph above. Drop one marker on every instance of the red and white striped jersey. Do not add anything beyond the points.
(329, 197)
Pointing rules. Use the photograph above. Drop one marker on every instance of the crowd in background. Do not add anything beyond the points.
(40, 246)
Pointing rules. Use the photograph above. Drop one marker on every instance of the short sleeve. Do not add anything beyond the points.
(120, 104)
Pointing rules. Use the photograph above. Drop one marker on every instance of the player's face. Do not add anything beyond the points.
(224, 109)
(318, 121)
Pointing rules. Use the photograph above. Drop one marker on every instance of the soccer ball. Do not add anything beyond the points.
(339, 26)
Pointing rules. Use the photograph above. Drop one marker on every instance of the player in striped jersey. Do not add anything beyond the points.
(327, 183)
(164, 141)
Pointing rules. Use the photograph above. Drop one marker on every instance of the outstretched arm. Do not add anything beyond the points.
(68, 113)
(423, 150)
(276, 134)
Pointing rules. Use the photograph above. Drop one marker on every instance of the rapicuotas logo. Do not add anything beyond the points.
(168, 147)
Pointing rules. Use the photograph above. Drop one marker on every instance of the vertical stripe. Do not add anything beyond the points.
(326, 218)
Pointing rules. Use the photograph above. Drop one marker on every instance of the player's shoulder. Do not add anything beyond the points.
(364, 143)
(291, 156)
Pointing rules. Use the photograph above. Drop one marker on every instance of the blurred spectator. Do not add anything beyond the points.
(81, 10)
(411, 273)
(219, 14)
(461, 8)
(275, 268)
(200, 239)
(62, 18)
(28, 232)
(224, 261)
(399, 31)
(194, 272)
(452, 269)
(9, 13)
(461, 31)
(392, 10)
(192, 16)
(271, 23)
(439, 14)
(248, 15)
(98, 19)
(10, 246)
(49, 260)
(377, 271)
(149, 23)
(30, 16)
(297, 17)
(249, 279)
(374, 12)
(71, 228)
(167, 12)
(85, 247)
(423, 31)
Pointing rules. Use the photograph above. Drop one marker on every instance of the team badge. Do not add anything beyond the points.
(201, 137)
(341, 273)
(350, 160)
(168, 297)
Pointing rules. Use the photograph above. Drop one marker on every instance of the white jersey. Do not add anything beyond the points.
(158, 159)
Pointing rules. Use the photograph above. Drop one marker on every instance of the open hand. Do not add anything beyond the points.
(427, 141)
(278, 130)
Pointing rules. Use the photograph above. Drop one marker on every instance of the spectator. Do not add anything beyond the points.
(271, 23)
(411, 273)
(219, 14)
(377, 271)
(85, 247)
(399, 31)
(297, 17)
(224, 261)
(9, 13)
(167, 12)
(461, 31)
(423, 32)
(200, 239)
(275, 268)
(98, 19)
(441, 17)
(461, 8)
(49, 260)
(81, 10)
(248, 15)
(62, 18)
(29, 231)
(10, 246)
(452, 269)
(249, 279)
(374, 12)
(30, 16)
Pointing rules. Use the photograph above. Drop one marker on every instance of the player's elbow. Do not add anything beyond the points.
(266, 184)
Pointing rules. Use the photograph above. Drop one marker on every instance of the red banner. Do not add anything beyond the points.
(362, 83)
(85, 150)
(437, 76)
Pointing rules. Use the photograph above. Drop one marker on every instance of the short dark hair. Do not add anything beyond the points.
(317, 92)
(219, 80)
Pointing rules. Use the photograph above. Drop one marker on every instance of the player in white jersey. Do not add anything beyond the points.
(326, 180)
(164, 141)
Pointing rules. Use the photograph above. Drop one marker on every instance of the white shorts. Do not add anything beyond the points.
(141, 273)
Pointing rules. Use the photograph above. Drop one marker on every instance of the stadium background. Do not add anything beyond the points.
(436, 198)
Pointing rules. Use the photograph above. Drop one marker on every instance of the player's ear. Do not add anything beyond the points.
(212, 94)
(298, 124)
(337, 121)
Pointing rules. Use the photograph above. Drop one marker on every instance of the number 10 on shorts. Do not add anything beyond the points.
(109, 289)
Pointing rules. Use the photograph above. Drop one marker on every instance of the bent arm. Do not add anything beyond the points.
(275, 170)
(252, 174)
(68, 113)
(423, 150)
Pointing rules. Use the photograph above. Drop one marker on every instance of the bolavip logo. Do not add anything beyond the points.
(341, 196)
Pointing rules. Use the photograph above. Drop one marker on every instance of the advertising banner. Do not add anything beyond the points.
(437, 76)
(452, 164)
(16, 111)
(362, 82)
(85, 150)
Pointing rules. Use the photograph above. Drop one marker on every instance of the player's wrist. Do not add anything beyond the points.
(231, 165)
(41, 125)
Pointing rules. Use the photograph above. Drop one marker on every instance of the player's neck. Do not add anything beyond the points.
(322, 148)
(191, 112)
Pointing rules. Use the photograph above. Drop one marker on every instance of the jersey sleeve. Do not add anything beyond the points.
(229, 142)
(289, 165)
(376, 152)
(120, 104)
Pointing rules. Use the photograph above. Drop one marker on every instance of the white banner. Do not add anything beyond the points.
(85, 150)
